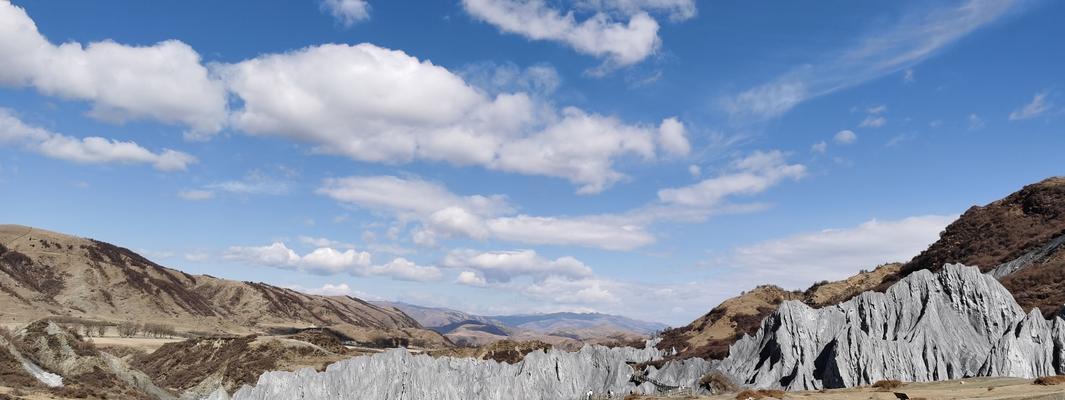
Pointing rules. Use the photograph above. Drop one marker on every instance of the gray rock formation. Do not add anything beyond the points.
(397, 374)
(952, 324)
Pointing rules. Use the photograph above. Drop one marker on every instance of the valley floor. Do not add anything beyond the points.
(979, 388)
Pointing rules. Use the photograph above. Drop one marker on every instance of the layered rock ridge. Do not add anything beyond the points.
(553, 374)
(951, 324)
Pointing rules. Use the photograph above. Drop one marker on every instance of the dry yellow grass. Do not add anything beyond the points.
(978, 388)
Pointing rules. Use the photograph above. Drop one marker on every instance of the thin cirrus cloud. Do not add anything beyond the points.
(919, 35)
(321, 95)
(329, 261)
(1035, 108)
(87, 150)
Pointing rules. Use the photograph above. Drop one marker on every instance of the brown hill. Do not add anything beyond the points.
(1026, 228)
(711, 335)
(46, 274)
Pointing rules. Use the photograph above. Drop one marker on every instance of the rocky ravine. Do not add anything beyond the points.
(952, 324)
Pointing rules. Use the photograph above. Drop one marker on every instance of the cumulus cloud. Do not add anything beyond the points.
(919, 34)
(621, 43)
(347, 12)
(470, 278)
(328, 289)
(378, 105)
(329, 261)
(673, 138)
(164, 82)
(845, 136)
(502, 266)
(87, 150)
(799, 260)
(1033, 109)
(749, 175)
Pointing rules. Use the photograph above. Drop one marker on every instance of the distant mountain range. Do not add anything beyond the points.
(563, 328)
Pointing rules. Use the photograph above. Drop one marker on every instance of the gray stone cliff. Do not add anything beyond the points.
(952, 324)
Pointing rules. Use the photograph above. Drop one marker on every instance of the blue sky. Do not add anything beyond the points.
(641, 157)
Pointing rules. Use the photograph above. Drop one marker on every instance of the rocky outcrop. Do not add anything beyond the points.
(551, 374)
(951, 324)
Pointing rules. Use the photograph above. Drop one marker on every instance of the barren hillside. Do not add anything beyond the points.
(45, 273)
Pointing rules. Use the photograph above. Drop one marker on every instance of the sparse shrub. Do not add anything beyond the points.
(1050, 380)
(887, 384)
(717, 382)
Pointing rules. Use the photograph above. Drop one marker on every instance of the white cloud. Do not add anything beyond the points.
(196, 195)
(797, 261)
(329, 261)
(1035, 108)
(845, 137)
(328, 289)
(347, 12)
(907, 76)
(470, 278)
(752, 174)
(562, 290)
(164, 82)
(621, 43)
(401, 268)
(502, 266)
(672, 137)
(873, 121)
(695, 171)
(918, 35)
(976, 123)
(819, 147)
(88, 150)
(378, 105)
(445, 214)
(876, 110)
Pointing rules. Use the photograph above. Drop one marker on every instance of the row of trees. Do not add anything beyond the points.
(90, 328)
(130, 329)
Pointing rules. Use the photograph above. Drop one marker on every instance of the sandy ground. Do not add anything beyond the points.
(1001, 388)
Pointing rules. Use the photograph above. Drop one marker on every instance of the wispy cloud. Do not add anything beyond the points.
(918, 35)
(1035, 108)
